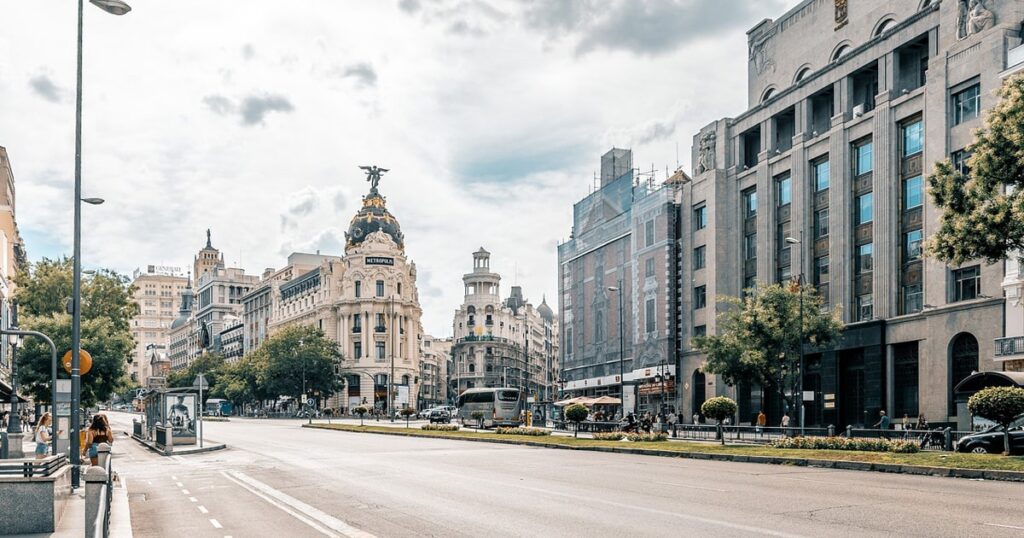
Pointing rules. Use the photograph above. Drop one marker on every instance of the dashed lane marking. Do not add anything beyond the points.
(216, 524)
(193, 499)
(203, 509)
(185, 492)
(179, 484)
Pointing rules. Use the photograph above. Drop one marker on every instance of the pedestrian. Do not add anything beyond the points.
(672, 418)
(696, 418)
(883, 424)
(785, 424)
(762, 421)
(99, 432)
(922, 423)
(42, 435)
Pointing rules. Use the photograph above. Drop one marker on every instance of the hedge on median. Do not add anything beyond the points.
(536, 432)
(846, 443)
(647, 437)
(440, 427)
(609, 436)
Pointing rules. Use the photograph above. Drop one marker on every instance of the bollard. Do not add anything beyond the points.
(169, 433)
(95, 500)
(947, 439)
(674, 431)
(103, 454)
(849, 432)
(831, 430)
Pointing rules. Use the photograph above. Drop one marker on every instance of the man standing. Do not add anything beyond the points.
(762, 421)
(883, 424)
(785, 424)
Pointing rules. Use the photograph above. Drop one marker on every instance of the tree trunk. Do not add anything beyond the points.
(1006, 440)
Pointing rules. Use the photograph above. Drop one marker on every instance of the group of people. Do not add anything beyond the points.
(647, 421)
(99, 432)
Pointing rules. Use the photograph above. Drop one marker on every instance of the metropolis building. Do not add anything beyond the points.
(850, 104)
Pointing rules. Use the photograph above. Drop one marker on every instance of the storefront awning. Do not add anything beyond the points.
(980, 380)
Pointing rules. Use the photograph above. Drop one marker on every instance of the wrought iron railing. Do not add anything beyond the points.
(1009, 345)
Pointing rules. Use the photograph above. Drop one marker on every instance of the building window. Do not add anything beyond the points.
(649, 268)
(750, 246)
(399, 286)
(821, 270)
(913, 138)
(912, 245)
(913, 298)
(359, 289)
(380, 322)
(649, 232)
(698, 257)
(357, 323)
(783, 190)
(966, 283)
(784, 274)
(700, 330)
(863, 261)
(820, 224)
(700, 297)
(963, 362)
(864, 207)
(750, 203)
(380, 288)
(821, 173)
(700, 217)
(862, 158)
(966, 104)
(960, 159)
(358, 351)
(749, 283)
(864, 307)
(913, 193)
(650, 316)
(905, 379)
(380, 351)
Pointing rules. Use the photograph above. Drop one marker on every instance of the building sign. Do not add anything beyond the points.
(379, 260)
(658, 388)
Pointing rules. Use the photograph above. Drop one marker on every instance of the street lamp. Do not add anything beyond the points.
(622, 376)
(15, 340)
(391, 338)
(114, 7)
(800, 283)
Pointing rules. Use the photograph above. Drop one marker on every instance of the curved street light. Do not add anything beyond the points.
(114, 7)
(93, 201)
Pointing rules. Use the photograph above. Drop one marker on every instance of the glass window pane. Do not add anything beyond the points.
(821, 176)
(912, 245)
(913, 193)
(820, 224)
(785, 193)
(864, 159)
(864, 208)
(912, 138)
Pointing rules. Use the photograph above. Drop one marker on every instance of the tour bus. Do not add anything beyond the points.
(500, 406)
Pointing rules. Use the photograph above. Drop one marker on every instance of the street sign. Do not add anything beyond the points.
(200, 382)
(84, 362)
(311, 402)
(808, 395)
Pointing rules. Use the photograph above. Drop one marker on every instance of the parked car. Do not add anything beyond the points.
(439, 414)
(990, 441)
(425, 413)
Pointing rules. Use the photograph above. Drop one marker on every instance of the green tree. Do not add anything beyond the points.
(719, 408)
(360, 410)
(760, 335)
(42, 293)
(240, 380)
(576, 413)
(211, 365)
(299, 357)
(983, 210)
(1000, 405)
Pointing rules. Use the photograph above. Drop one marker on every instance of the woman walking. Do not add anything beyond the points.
(43, 435)
(99, 432)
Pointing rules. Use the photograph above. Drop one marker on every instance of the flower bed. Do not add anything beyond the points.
(440, 427)
(536, 432)
(845, 443)
(609, 436)
(647, 437)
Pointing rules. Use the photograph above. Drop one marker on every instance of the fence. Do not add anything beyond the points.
(31, 468)
(99, 491)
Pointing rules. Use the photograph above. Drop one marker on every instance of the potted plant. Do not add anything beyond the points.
(360, 410)
(719, 408)
(407, 412)
(479, 417)
(576, 413)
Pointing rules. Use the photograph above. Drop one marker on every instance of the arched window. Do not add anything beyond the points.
(882, 27)
(963, 361)
(405, 379)
(839, 52)
(802, 73)
(472, 367)
(698, 384)
(768, 94)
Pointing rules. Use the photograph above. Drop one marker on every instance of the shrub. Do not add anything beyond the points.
(719, 408)
(360, 410)
(845, 443)
(576, 413)
(1000, 405)
(647, 437)
(478, 416)
(440, 427)
(407, 412)
(536, 432)
(609, 436)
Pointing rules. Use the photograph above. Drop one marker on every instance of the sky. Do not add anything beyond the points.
(251, 119)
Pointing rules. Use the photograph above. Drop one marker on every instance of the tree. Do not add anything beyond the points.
(240, 380)
(298, 358)
(1000, 405)
(759, 337)
(719, 408)
(983, 210)
(211, 365)
(478, 416)
(360, 410)
(576, 413)
(42, 293)
(407, 412)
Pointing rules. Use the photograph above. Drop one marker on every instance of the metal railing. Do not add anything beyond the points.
(99, 494)
(41, 467)
(1009, 345)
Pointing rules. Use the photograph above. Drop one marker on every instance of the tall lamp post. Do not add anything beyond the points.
(14, 421)
(114, 7)
(622, 376)
(800, 370)
(391, 378)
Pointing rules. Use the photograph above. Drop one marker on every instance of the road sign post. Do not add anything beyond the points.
(201, 384)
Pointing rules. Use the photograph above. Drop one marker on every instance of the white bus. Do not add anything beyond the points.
(500, 406)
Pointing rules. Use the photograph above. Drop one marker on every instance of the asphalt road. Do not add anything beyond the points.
(278, 479)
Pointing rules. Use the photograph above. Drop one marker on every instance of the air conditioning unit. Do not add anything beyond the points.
(858, 111)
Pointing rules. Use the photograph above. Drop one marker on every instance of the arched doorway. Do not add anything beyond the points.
(963, 361)
(698, 385)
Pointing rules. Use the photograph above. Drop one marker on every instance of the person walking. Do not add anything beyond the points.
(762, 421)
(99, 432)
(922, 423)
(785, 424)
(42, 435)
(883, 424)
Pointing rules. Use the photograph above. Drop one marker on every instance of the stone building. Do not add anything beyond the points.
(624, 243)
(502, 343)
(231, 339)
(849, 106)
(12, 260)
(183, 333)
(435, 354)
(158, 294)
(219, 293)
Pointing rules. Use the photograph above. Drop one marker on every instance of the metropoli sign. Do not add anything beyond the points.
(378, 260)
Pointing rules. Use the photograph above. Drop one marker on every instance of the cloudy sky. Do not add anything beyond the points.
(250, 118)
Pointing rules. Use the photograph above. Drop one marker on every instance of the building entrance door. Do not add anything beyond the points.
(851, 388)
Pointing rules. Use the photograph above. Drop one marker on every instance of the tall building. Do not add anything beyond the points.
(183, 334)
(500, 343)
(207, 260)
(624, 246)
(157, 294)
(434, 357)
(12, 260)
(849, 106)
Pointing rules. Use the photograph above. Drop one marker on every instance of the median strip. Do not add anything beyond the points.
(991, 467)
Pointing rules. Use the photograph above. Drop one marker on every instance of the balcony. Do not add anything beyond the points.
(1009, 348)
(380, 328)
(357, 329)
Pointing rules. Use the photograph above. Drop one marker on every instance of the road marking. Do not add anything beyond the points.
(1005, 526)
(193, 499)
(185, 492)
(203, 509)
(179, 484)
(174, 477)
(309, 515)
(216, 524)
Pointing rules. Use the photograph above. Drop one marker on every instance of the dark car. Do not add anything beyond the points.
(440, 415)
(990, 441)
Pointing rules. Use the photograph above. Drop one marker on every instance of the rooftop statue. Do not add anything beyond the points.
(373, 176)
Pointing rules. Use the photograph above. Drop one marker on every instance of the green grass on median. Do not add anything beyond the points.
(927, 459)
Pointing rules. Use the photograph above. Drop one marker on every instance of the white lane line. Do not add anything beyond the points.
(185, 492)
(179, 484)
(173, 477)
(309, 515)
(1005, 526)
(216, 524)
(203, 509)
(193, 499)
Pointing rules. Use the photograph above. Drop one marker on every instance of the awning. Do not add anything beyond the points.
(606, 400)
(579, 399)
(980, 380)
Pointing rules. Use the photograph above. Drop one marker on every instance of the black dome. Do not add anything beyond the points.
(372, 217)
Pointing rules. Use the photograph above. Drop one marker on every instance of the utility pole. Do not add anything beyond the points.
(391, 378)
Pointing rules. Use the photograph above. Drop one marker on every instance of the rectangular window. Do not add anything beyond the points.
(864, 209)
(913, 138)
(820, 224)
(380, 351)
(966, 283)
(913, 193)
(865, 310)
(649, 232)
(912, 245)
(700, 217)
(650, 316)
(749, 283)
(750, 203)
(380, 322)
(700, 330)
(700, 297)
(821, 176)
(966, 104)
(784, 274)
(906, 384)
(783, 190)
(959, 159)
(358, 350)
(750, 246)
(698, 257)
(913, 299)
(864, 259)
(380, 288)
(649, 268)
(821, 270)
(862, 158)
(359, 289)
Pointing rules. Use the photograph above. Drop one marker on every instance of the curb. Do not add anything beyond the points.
(182, 452)
(949, 472)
